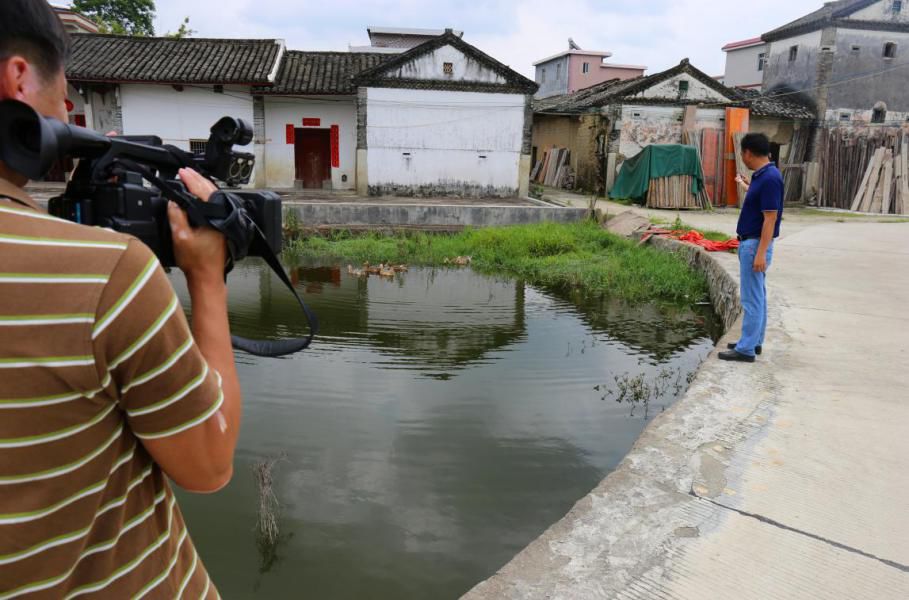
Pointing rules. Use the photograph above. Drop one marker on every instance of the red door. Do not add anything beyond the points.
(312, 157)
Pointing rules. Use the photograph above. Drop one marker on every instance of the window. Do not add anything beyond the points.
(890, 50)
(762, 59)
(897, 6)
(543, 75)
(585, 68)
(198, 146)
(879, 112)
(683, 89)
(845, 117)
(448, 68)
(558, 71)
(793, 53)
(856, 48)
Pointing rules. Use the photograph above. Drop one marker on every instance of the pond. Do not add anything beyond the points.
(442, 420)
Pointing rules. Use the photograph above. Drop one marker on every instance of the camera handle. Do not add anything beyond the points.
(200, 215)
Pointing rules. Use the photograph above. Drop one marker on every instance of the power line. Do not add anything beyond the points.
(822, 86)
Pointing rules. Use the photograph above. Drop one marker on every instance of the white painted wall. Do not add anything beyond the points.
(176, 117)
(742, 67)
(279, 155)
(445, 134)
(669, 89)
(882, 11)
(430, 66)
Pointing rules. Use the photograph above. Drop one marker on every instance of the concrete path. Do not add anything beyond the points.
(785, 479)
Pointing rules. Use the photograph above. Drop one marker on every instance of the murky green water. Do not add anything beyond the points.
(441, 422)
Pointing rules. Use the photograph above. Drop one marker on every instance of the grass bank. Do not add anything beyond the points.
(578, 255)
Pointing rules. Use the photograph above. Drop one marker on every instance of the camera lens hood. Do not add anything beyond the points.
(30, 143)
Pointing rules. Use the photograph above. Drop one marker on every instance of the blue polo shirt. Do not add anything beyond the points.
(765, 193)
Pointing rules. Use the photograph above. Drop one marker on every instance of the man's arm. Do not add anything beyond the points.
(767, 230)
(180, 395)
(201, 254)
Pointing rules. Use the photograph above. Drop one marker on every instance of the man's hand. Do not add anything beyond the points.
(760, 262)
(742, 181)
(201, 253)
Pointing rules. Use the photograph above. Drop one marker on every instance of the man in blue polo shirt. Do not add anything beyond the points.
(759, 225)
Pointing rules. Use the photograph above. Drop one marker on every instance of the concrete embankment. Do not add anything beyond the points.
(366, 215)
(783, 479)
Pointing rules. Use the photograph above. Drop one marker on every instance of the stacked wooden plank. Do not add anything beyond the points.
(554, 169)
(865, 170)
(793, 172)
(672, 192)
(884, 188)
(692, 137)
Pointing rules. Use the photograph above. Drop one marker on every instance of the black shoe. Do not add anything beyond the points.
(736, 356)
(757, 349)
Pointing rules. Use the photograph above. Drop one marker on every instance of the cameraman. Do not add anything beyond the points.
(104, 390)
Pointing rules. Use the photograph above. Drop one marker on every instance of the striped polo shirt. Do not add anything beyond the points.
(95, 356)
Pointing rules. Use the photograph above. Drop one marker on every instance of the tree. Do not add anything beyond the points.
(128, 17)
(185, 31)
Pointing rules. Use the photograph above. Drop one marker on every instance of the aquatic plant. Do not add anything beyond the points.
(573, 256)
(267, 533)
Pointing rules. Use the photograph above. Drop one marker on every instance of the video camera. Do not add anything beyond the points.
(108, 189)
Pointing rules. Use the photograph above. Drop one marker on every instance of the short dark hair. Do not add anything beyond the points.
(31, 28)
(757, 143)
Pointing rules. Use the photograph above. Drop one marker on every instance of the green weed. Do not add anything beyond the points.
(578, 255)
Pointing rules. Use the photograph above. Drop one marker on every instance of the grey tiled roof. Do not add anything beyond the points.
(321, 72)
(617, 91)
(118, 58)
(784, 107)
(514, 81)
(833, 13)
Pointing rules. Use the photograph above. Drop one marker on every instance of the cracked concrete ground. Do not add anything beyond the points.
(784, 479)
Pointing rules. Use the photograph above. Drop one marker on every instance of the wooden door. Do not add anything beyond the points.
(312, 156)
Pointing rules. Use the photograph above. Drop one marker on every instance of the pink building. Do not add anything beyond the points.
(576, 69)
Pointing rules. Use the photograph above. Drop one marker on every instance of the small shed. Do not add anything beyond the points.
(666, 175)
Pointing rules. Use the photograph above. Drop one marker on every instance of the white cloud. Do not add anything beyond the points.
(656, 33)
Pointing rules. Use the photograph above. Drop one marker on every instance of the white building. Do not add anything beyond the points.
(444, 119)
(311, 120)
(176, 89)
(745, 61)
(441, 118)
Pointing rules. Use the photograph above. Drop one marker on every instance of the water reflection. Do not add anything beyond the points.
(441, 421)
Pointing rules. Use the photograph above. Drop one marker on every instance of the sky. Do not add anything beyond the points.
(655, 33)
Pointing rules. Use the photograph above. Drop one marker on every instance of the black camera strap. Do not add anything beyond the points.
(201, 214)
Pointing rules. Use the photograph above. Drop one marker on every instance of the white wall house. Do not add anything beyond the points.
(444, 119)
(175, 89)
(441, 118)
(189, 114)
(745, 62)
(311, 120)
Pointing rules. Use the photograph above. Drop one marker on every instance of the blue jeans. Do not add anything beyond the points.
(754, 297)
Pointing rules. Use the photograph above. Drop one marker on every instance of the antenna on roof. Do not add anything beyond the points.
(572, 45)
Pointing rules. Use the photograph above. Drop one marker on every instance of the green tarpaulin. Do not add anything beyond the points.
(654, 161)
